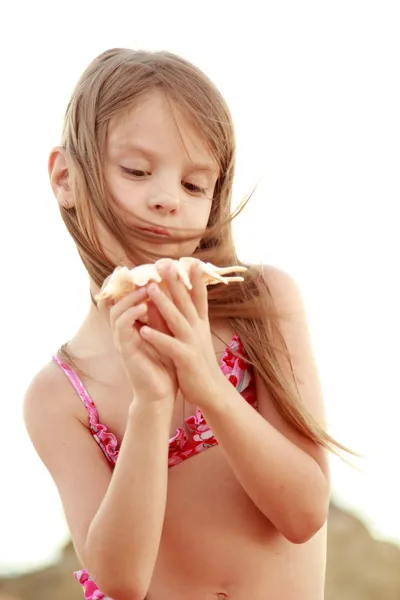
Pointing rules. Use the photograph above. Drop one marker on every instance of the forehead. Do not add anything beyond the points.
(158, 125)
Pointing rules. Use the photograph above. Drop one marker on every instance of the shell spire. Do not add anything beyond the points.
(123, 280)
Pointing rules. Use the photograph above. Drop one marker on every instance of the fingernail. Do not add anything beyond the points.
(142, 292)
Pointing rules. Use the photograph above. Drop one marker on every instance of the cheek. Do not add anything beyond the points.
(121, 191)
(197, 217)
(119, 187)
(206, 217)
(198, 214)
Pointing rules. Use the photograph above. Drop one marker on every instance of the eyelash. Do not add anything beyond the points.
(136, 173)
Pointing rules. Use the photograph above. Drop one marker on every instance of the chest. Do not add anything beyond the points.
(112, 394)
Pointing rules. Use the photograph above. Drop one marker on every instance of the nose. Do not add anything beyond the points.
(164, 199)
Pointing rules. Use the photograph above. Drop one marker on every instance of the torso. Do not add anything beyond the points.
(216, 544)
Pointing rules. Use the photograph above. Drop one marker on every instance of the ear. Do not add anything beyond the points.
(60, 177)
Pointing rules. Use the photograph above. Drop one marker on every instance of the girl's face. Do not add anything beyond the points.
(159, 169)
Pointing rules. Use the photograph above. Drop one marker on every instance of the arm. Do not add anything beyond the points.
(286, 476)
(115, 518)
(124, 536)
(284, 481)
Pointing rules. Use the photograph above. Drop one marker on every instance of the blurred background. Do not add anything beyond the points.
(314, 91)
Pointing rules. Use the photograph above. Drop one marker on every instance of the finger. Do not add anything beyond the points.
(126, 302)
(133, 297)
(166, 345)
(199, 291)
(150, 350)
(180, 295)
(155, 319)
(176, 322)
(124, 324)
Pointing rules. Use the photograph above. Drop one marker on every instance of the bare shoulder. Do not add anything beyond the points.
(53, 419)
(288, 300)
(285, 291)
(293, 324)
(49, 395)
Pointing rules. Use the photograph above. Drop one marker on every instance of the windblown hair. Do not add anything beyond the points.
(115, 82)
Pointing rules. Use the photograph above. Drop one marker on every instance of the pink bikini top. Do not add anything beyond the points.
(196, 436)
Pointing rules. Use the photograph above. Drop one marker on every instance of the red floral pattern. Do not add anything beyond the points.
(193, 438)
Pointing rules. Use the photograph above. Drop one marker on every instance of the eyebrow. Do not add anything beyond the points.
(129, 147)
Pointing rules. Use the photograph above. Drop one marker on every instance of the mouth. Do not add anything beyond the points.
(157, 230)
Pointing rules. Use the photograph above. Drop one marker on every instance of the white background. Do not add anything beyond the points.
(314, 91)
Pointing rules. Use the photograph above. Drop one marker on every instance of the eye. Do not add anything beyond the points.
(195, 189)
(135, 172)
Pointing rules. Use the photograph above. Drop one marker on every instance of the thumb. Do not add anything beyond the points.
(155, 320)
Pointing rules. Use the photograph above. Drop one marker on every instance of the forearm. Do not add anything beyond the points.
(283, 481)
(124, 536)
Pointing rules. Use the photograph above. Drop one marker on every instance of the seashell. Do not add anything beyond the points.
(124, 280)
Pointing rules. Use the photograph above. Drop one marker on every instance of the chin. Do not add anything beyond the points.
(170, 250)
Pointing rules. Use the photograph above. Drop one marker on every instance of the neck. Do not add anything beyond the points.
(94, 336)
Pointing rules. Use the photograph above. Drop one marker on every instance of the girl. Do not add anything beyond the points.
(195, 464)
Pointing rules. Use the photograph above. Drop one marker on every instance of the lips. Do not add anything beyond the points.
(156, 230)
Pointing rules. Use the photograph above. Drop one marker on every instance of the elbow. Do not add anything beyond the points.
(305, 525)
(113, 586)
(118, 591)
(303, 532)
(112, 582)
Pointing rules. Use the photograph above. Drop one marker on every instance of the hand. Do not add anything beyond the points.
(151, 377)
(189, 342)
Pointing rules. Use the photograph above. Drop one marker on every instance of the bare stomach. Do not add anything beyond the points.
(217, 545)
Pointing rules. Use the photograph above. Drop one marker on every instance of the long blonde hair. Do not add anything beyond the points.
(114, 82)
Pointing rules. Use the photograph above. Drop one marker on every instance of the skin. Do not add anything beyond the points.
(159, 170)
(215, 543)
